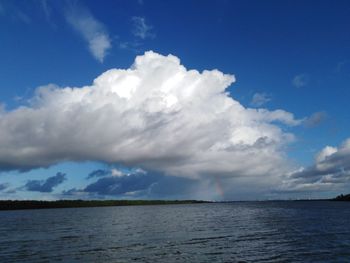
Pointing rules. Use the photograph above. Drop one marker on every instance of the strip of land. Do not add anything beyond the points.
(34, 204)
(342, 197)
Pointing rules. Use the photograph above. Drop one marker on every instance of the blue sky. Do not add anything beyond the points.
(288, 55)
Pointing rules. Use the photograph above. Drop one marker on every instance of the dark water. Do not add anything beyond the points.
(235, 232)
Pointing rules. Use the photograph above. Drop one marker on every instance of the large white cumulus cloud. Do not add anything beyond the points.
(155, 115)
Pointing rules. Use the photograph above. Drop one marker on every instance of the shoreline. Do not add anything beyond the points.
(8, 205)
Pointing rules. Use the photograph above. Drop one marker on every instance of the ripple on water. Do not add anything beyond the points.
(234, 232)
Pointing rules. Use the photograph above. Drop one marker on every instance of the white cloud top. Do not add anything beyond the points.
(156, 115)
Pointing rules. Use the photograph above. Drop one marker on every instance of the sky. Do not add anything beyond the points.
(212, 100)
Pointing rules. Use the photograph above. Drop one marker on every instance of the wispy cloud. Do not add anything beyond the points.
(141, 29)
(134, 46)
(92, 30)
(45, 8)
(300, 80)
(14, 12)
(260, 99)
(315, 119)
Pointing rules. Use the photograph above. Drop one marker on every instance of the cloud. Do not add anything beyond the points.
(46, 185)
(300, 80)
(14, 12)
(330, 170)
(134, 46)
(98, 173)
(156, 115)
(137, 184)
(90, 29)
(141, 29)
(3, 186)
(119, 185)
(44, 5)
(315, 119)
(116, 183)
(260, 99)
(116, 172)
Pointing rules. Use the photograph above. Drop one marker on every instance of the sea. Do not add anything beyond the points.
(279, 231)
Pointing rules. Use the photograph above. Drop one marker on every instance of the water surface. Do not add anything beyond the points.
(313, 231)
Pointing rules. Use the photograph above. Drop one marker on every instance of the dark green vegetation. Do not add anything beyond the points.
(32, 204)
(342, 197)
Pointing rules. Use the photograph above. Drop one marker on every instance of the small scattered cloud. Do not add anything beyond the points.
(116, 172)
(300, 80)
(98, 173)
(141, 28)
(260, 99)
(315, 119)
(116, 183)
(3, 186)
(331, 170)
(45, 185)
(92, 30)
